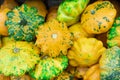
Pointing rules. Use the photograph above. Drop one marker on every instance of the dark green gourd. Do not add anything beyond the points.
(22, 22)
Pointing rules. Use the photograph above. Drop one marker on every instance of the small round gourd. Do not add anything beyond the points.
(53, 38)
(18, 57)
(85, 52)
(98, 17)
(22, 22)
(48, 68)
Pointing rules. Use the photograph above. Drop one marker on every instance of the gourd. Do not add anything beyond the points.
(9, 4)
(93, 73)
(52, 13)
(110, 64)
(48, 68)
(22, 22)
(113, 37)
(3, 18)
(70, 10)
(53, 38)
(98, 17)
(85, 52)
(78, 31)
(2, 77)
(39, 5)
(18, 57)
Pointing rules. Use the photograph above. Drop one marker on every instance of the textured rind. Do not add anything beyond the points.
(49, 68)
(53, 38)
(113, 33)
(98, 17)
(110, 64)
(70, 10)
(22, 22)
(17, 64)
(85, 52)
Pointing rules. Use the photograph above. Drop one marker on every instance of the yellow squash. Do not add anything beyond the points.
(53, 38)
(98, 17)
(85, 52)
(93, 73)
(78, 31)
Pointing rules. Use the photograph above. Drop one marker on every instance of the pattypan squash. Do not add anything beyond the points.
(85, 52)
(18, 57)
(69, 11)
(48, 68)
(93, 73)
(22, 22)
(53, 38)
(98, 17)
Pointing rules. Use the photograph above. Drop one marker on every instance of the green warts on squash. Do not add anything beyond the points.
(92, 12)
(16, 50)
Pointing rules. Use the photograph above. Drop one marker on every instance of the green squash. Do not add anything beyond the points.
(70, 10)
(110, 64)
(22, 22)
(49, 68)
(113, 37)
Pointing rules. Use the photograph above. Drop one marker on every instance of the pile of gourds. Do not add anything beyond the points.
(74, 40)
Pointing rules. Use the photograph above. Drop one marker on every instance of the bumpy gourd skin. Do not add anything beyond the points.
(49, 68)
(110, 64)
(85, 52)
(113, 37)
(70, 10)
(53, 38)
(22, 22)
(19, 57)
(98, 17)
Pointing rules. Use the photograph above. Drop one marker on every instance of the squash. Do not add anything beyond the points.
(113, 37)
(18, 57)
(85, 52)
(9, 4)
(78, 31)
(70, 10)
(93, 73)
(53, 38)
(2, 77)
(39, 5)
(48, 68)
(98, 17)
(52, 13)
(3, 18)
(22, 22)
(110, 64)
